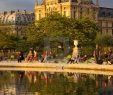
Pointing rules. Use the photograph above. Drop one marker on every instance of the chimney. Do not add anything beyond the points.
(12, 12)
(25, 11)
(5, 12)
(18, 10)
(97, 2)
(36, 3)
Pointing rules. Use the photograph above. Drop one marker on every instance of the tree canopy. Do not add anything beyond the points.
(55, 25)
(86, 30)
(104, 40)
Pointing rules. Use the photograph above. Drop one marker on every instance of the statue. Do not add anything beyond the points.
(75, 53)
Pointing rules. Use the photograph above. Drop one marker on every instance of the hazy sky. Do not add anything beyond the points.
(29, 4)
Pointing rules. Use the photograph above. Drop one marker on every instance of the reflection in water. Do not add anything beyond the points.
(50, 83)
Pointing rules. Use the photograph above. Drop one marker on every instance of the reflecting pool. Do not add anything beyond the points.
(52, 83)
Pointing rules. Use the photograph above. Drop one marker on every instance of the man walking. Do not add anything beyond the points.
(96, 54)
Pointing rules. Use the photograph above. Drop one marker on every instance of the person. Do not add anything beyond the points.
(29, 57)
(70, 60)
(106, 57)
(96, 53)
(20, 57)
(44, 56)
(110, 54)
(83, 59)
(35, 55)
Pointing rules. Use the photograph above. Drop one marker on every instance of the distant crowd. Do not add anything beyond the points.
(101, 57)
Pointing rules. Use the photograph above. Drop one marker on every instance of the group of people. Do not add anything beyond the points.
(103, 57)
(32, 56)
(75, 57)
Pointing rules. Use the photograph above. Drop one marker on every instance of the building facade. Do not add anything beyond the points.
(105, 19)
(76, 9)
(70, 8)
(16, 20)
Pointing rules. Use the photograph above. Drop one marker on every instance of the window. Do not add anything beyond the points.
(59, 1)
(109, 14)
(106, 24)
(39, 16)
(106, 31)
(64, 11)
(74, 8)
(81, 11)
(103, 14)
(74, 1)
(64, 8)
(88, 10)
(74, 14)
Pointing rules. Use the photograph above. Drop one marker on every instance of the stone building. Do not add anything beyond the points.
(76, 9)
(16, 20)
(105, 20)
(69, 8)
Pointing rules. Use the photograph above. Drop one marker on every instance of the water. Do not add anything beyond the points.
(50, 83)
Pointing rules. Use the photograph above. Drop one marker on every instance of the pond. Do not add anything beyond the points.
(52, 83)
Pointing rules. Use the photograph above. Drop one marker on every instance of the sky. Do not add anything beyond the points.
(7, 5)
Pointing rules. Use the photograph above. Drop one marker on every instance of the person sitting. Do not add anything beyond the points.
(105, 57)
(29, 57)
(83, 59)
(70, 59)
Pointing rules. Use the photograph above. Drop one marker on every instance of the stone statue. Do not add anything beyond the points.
(75, 51)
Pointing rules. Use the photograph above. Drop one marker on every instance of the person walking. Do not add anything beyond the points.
(96, 54)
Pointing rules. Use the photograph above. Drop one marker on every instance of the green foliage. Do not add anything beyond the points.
(34, 36)
(104, 40)
(8, 40)
(87, 51)
(5, 41)
(86, 30)
(54, 25)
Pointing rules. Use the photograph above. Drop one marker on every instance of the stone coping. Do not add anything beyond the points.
(56, 66)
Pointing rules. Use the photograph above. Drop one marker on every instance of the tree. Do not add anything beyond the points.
(34, 37)
(55, 25)
(86, 30)
(52, 26)
(104, 40)
(4, 37)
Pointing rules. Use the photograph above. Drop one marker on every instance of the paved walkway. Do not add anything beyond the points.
(57, 67)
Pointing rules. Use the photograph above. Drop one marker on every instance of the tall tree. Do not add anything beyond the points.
(55, 25)
(86, 30)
